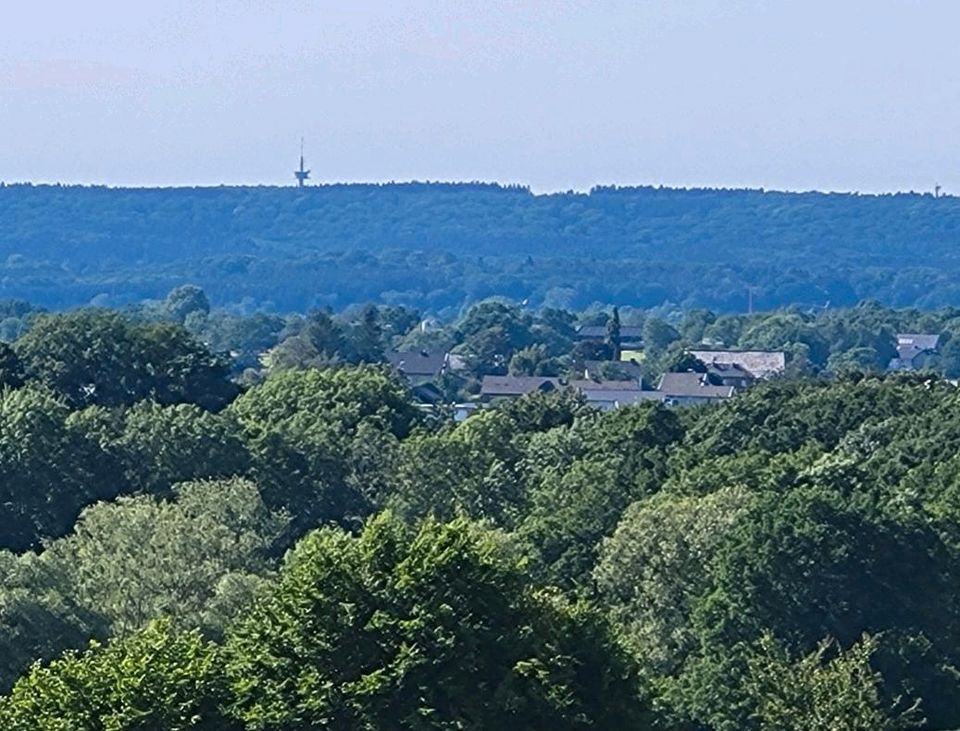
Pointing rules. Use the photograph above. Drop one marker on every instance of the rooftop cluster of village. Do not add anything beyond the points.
(703, 375)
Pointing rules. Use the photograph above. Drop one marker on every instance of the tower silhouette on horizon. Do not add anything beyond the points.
(301, 175)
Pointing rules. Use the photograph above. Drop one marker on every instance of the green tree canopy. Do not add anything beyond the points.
(48, 471)
(155, 679)
(101, 357)
(421, 628)
(309, 431)
(185, 300)
(140, 558)
(160, 446)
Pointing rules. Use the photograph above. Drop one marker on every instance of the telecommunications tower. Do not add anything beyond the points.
(302, 174)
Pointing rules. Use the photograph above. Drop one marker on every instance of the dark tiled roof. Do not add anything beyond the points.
(691, 385)
(632, 333)
(591, 385)
(728, 370)
(416, 362)
(516, 385)
(426, 393)
(631, 368)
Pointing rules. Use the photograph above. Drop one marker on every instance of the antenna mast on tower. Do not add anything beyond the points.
(301, 175)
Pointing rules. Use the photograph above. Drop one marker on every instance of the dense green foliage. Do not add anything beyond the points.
(313, 550)
(427, 628)
(156, 679)
(439, 246)
(97, 357)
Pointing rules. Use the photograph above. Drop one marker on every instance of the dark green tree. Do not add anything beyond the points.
(657, 335)
(48, 471)
(184, 301)
(159, 446)
(809, 565)
(572, 508)
(101, 357)
(366, 337)
(40, 617)
(613, 334)
(11, 369)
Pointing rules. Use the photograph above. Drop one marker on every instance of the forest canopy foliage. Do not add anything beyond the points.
(314, 550)
(440, 246)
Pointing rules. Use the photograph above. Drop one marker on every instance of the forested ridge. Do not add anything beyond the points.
(311, 550)
(438, 246)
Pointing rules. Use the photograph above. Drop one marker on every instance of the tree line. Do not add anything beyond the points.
(442, 246)
(494, 336)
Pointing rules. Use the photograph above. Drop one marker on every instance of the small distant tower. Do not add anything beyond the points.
(301, 175)
(936, 190)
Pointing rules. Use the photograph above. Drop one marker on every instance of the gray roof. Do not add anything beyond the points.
(910, 345)
(691, 385)
(759, 363)
(516, 385)
(630, 367)
(599, 332)
(416, 362)
(591, 385)
(924, 341)
(621, 398)
(728, 370)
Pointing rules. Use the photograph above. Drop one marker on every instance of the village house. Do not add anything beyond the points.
(912, 350)
(604, 395)
(499, 388)
(607, 395)
(597, 370)
(690, 389)
(417, 366)
(608, 399)
(597, 384)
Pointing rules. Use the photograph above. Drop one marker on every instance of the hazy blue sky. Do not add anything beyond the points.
(839, 94)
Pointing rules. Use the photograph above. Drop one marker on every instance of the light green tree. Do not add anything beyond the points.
(825, 690)
(155, 679)
(140, 558)
(656, 565)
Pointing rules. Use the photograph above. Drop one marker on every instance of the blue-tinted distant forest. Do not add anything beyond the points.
(439, 246)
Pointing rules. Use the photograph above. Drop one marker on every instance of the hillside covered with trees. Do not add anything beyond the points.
(440, 246)
(178, 551)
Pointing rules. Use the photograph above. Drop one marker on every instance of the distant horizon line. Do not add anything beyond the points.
(934, 192)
